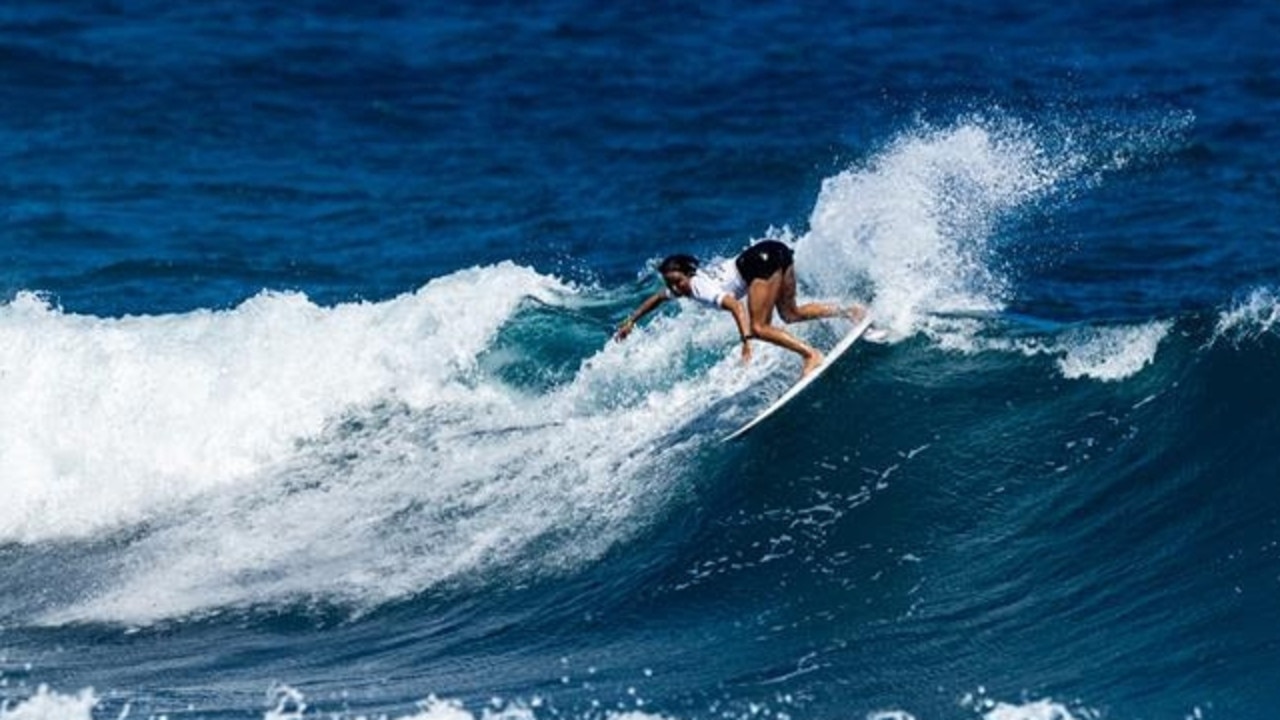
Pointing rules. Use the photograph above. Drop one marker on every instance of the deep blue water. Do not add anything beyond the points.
(308, 407)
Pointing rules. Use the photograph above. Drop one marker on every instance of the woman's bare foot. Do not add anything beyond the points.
(811, 363)
(856, 312)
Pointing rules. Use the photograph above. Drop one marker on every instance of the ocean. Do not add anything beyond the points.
(309, 406)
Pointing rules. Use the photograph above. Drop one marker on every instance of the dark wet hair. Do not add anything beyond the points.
(686, 264)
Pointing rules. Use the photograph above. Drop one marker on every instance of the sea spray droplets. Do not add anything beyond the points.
(289, 704)
(1111, 353)
(917, 221)
(1256, 315)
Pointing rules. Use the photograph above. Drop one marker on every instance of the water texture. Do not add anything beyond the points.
(309, 407)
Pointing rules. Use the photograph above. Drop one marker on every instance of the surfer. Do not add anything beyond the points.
(764, 274)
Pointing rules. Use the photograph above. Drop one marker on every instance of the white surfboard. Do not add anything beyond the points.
(832, 355)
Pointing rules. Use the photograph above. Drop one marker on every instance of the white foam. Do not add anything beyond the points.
(284, 452)
(1042, 709)
(1036, 710)
(1105, 352)
(890, 715)
(291, 705)
(49, 705)
(104, 422)
(1111, 353)
(915, 225)
(1255, 315)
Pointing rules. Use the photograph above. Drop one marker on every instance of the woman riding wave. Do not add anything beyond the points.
(764, 275)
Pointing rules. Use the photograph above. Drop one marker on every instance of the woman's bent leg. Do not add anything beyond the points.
(791, 313)
(762, 298)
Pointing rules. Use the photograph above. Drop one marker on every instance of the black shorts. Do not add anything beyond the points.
(762, 260)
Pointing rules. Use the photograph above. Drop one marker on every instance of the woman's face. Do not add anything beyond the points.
(678, 282)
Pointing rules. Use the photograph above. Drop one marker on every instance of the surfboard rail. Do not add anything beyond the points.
(832, 355)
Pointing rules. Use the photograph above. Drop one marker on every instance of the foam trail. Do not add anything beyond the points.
(917, 223)
(918, 229)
